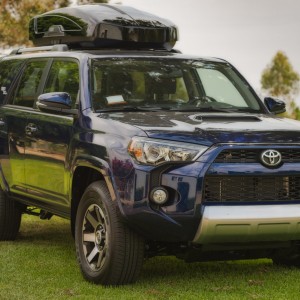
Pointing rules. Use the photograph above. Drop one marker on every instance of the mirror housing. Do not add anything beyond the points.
(55, 102)
(274, 105)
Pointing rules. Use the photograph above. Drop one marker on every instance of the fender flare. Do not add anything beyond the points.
(100, 166)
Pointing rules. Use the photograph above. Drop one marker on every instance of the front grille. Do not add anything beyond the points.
(253, 155)
(251, 188)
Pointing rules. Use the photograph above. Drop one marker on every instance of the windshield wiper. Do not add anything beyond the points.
(132, 108)
(218, 109)
(129, 108)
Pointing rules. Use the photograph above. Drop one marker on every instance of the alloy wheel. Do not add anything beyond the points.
(95, 239)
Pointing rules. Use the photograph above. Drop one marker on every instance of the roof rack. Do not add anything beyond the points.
(58, 47)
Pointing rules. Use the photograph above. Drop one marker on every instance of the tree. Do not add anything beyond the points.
(15, 16)
(91, 1)
(279, 77)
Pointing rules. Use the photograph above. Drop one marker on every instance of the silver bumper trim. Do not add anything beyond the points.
(249, 223)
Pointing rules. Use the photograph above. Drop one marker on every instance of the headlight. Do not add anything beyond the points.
(155, 152)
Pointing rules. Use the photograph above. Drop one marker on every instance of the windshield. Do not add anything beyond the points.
(170, 84)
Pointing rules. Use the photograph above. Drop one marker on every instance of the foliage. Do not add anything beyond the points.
(41, 264)
(279, 77)
(91, 1)
(15, 16)
(294, 111)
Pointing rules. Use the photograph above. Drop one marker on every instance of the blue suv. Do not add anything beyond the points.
(146, 150)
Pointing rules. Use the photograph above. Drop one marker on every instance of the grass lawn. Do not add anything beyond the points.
(41, 264)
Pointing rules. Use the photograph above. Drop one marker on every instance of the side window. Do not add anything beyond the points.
(8, 71)
(63, 77)
(26, 92)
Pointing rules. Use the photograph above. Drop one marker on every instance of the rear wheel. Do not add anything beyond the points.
(287, 258)
(108, 252)
(10, 218)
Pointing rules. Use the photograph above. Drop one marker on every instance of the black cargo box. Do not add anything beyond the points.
(102, 26)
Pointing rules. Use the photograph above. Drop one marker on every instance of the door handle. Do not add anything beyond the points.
(30, 129)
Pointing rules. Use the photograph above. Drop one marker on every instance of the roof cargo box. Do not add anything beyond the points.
(102, 26)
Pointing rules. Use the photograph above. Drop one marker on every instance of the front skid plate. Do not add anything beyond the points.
(249, 223)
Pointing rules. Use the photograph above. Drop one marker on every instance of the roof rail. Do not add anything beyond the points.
(58, 47)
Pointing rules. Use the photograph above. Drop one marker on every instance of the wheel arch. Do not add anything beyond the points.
(85, 171)
(3, 183)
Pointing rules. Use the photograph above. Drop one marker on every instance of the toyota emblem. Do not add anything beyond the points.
(271, 158)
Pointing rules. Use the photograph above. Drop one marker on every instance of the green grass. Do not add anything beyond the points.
(41, 264)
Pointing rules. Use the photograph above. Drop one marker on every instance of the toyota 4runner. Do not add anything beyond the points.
(147, 151)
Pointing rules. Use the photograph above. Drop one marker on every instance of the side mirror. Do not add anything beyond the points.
(56, 102)
(274, 105)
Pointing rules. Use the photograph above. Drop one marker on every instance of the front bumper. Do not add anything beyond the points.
(249, 223)
(244, 202)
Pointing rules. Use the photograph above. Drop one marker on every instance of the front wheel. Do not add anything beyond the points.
(10, 218)
(108, 252)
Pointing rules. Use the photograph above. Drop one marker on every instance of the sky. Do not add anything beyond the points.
(247, 33)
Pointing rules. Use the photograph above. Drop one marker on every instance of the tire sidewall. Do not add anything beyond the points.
(10, 217)
(94, 195)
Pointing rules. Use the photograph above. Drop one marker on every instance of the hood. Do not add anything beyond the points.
(212, 128)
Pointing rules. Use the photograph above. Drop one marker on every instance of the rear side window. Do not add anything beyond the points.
(8, 71)
(27, 89)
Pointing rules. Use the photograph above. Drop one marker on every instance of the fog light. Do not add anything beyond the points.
(159, 195)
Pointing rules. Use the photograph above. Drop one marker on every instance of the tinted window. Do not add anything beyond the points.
(63, 77)
(8, 71)
(27, 89)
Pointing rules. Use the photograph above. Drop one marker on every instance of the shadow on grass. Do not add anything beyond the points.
(41, 264)
(55, 237)
(162, 267)
(54, 230)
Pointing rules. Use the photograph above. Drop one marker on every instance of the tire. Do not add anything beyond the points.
(287, 259)
(10, 218)
(108, 252)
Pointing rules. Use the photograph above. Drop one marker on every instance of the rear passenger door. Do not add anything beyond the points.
(13, 115)
(47, 139)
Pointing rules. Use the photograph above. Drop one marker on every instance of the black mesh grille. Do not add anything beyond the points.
(251, 188)
(253, 155)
